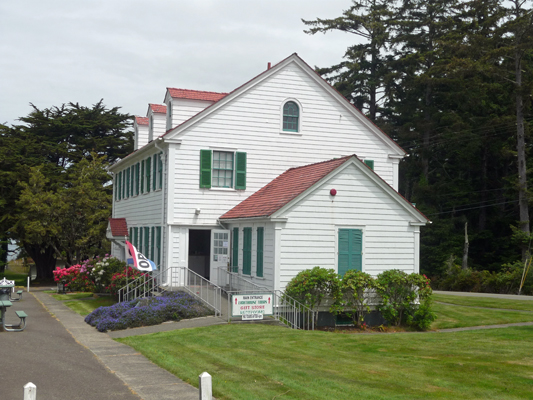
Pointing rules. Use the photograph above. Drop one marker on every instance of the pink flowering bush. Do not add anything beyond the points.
(92, 275)
(121, 279)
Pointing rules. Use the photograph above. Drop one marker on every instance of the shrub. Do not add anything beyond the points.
(121, 279)
(147, 311)
(355, 289)
(399, 293)
(310, 287)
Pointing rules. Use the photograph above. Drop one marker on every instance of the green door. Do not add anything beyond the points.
(350, 250)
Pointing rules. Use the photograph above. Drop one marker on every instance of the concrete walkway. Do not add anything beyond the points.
(68, 359)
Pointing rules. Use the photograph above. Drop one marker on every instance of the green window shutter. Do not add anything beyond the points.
(142, 176)
(146, 241)
(152, 247)
(235, 250)
(132, 190)
(205, 168)
(130, 235)
(350, 250)
(119, 176)
(137, 179)
(154, 182)
(123, 184)
(160, 159)
(158, 245)
(148, 170)
(247, 251)
(260, 244)
(370, 163)
(240, 170)
(127, 183)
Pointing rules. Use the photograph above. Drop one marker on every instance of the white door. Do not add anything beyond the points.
(219, 252)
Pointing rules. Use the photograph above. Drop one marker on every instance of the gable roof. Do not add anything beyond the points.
(293, 58)
(294, 182)
(158, 108)
(195, 94)
(118, 227)
(141, 120)
(283, 189)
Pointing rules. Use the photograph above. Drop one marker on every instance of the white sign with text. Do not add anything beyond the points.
(251, 306)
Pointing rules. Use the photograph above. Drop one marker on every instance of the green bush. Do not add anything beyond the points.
(506, 281)
(310, 287)
(355, 288)
(405, 299)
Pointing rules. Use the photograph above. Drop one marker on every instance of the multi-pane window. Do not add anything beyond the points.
(291, 114)
(146, 241)
(142, 176)
(137, 178)
(222, 175)
(220, 246)
(222, 169)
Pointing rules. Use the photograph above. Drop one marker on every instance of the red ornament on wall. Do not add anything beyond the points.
(333, 192)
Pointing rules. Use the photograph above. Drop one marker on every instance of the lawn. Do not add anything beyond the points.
(265, 362)
(84, 303)
(262, 362)
(20, 279)
(489, 302)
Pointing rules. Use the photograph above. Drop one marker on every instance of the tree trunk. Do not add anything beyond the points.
(521, 153)
(465, 249)
(45, 261)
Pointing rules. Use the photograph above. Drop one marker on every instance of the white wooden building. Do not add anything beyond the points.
(196, 165)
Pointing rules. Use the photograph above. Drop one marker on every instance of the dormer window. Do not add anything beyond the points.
(291, 117)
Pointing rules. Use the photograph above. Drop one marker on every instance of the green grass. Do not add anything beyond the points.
(263, 362)
(449, 316)
(83, 303)
(485, 302)
(20, 279)
(85, 307)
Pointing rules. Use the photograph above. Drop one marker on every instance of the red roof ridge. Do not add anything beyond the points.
(195, 94)
(141, 120)
(158, 108)
(119, 226)
(283, 189)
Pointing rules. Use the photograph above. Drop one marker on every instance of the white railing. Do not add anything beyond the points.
(174, 279)
(285, 309)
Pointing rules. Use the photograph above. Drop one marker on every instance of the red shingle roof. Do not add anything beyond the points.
(118, 226)
(141, 120)
(158, 108)
(283, 189)
(195, 94)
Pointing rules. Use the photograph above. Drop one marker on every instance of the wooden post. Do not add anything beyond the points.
(206, 387)
(30, 391)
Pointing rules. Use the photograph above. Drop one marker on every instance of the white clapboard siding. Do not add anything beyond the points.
(141, 136)
(183, 109)
(159, 126)
(252, 124)
(310, 236)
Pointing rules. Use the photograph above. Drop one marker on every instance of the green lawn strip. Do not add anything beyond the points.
(72, 296)
(85, 307)
(20, 279)
(525, 305)
(453, 316)
(261, 362)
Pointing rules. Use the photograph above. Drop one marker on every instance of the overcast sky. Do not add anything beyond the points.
(129, 51)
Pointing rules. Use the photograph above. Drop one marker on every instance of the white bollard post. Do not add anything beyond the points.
(28, 290)
(30, 391)
(206, 387)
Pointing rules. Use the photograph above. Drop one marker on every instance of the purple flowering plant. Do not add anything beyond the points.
(171, 306)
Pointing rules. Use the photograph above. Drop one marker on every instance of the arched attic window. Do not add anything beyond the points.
(291, 117)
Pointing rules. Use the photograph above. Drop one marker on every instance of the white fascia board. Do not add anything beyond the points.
(419, 218)
(251, 220)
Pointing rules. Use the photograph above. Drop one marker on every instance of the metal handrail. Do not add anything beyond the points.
(177, 278)
(285, 309)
